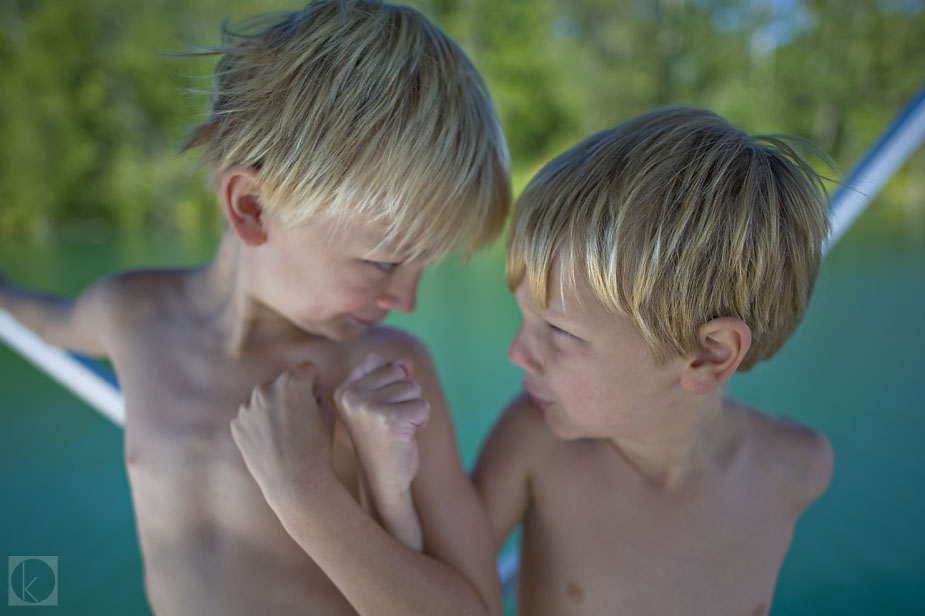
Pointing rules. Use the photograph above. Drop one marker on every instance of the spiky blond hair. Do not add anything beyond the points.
(357, 108)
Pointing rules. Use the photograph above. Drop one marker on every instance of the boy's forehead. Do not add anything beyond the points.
(363, 235)
(375, 237)
(569, 293)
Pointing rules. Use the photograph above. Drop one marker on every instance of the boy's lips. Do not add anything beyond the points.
(366, 320)
(540, 402)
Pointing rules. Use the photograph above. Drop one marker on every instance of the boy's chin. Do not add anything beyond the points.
(559, 426)
(343, 329)
(339, 329)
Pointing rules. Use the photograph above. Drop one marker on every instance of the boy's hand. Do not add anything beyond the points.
(383, 410)
(284, 434)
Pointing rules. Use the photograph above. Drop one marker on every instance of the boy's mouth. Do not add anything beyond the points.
(367, 321)
(540, 402)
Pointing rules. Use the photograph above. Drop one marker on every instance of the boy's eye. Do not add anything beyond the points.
(385, 266)
(562, 332)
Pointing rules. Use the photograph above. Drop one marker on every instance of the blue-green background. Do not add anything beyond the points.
(91, 113)
(853, 370)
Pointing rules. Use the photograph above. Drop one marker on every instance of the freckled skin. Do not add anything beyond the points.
(600, 539)
(638, 494)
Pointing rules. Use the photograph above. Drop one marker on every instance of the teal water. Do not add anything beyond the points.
(853, 370)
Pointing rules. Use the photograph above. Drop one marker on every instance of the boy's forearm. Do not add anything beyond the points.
(399, 517)
(378, 575)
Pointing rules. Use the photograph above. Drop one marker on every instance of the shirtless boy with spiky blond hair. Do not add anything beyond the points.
(351, 143)
(650, 262)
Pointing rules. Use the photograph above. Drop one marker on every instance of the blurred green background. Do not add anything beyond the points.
(92, 111)
(93, 107)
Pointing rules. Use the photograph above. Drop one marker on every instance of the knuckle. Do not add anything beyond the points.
(349, 400)
(262, 393)
(390, 421)
(396, 372)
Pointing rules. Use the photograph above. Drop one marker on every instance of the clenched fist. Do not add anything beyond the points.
(284, 433)
(383, 410)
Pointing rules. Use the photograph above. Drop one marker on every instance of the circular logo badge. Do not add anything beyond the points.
(32, 580)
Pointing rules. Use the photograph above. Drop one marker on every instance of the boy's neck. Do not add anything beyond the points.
(241, 324)
(683, 447)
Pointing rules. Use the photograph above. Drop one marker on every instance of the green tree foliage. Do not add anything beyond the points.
(92, 111)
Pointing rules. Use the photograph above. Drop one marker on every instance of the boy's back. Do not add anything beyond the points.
(651, 262)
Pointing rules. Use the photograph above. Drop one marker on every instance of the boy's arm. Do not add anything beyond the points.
(501, 473)
(70, 324)
(383, 409)
(399, 517)
(287, 449)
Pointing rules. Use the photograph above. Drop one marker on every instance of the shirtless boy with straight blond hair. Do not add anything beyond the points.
(350, 144)
(650, 262)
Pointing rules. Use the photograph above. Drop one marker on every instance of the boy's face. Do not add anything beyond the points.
(590, 370)
(332, 282)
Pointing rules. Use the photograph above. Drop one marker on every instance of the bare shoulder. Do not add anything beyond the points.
(131, 298)
(511, 463)
(796, 454)
(140, 287)
(389, 342)
(146, 290)
(521, 432)
(523, 418)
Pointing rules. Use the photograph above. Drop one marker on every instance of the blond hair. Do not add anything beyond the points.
(676, 218)
(361, 108)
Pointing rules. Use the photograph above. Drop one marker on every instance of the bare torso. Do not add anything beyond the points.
(209, 541)
(600, 538)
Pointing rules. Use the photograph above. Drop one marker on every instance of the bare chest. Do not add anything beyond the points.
(202, 520)
(600, 544)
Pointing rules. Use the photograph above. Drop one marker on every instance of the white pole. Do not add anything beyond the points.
(86, 384)
(892, 149)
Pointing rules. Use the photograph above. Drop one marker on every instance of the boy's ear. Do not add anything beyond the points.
(239, 192)
(723, 345)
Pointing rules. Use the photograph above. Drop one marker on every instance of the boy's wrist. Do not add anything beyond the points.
(303, 498)
(392, 502)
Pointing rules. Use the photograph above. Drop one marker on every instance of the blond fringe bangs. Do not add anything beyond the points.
(674, 219)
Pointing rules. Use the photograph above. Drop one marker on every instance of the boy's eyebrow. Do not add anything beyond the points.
(553, 312)
(548, 311)
(559, 315)
(379, 247)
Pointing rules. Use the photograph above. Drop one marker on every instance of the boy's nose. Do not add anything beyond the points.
(401, 294)
(521, 355)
